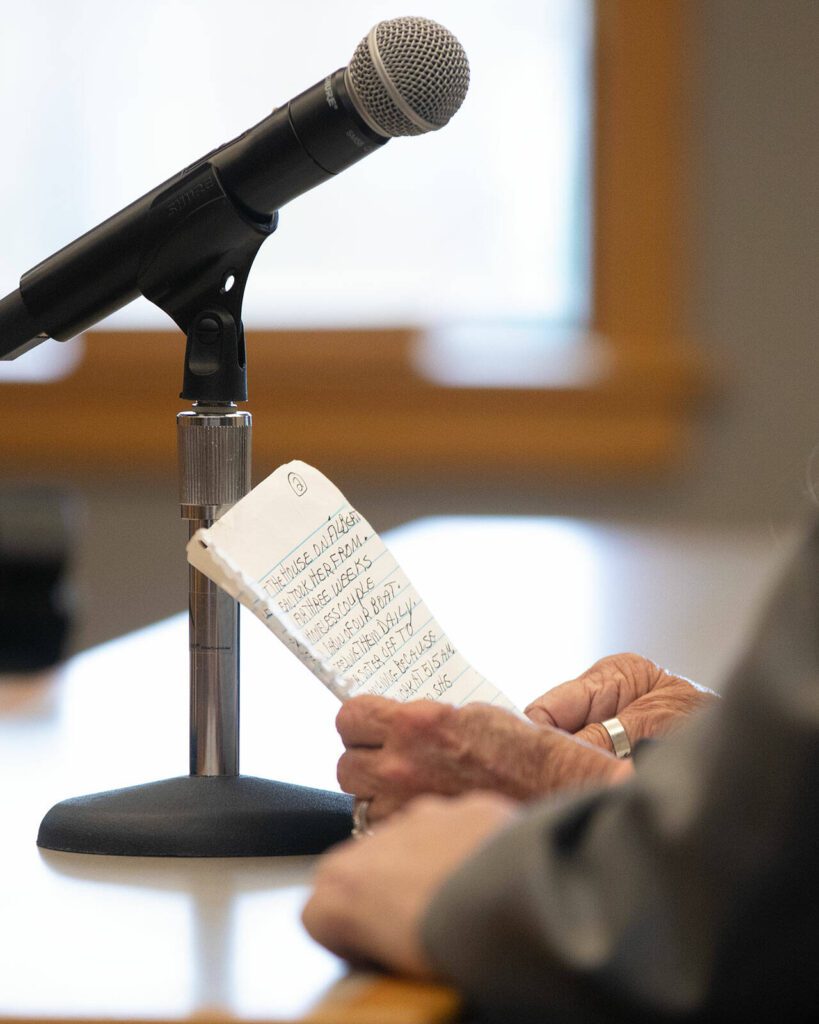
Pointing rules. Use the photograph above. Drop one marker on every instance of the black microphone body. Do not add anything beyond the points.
(315, 136)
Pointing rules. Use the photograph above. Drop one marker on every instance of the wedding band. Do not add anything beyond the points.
(360, 826)
(618, 736)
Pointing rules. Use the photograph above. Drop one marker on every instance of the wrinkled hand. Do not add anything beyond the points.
(370, 897)
(396, 751)
(648, 700)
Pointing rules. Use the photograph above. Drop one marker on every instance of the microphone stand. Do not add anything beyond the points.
(197, 274)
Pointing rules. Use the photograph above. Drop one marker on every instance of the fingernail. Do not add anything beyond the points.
(538, 716)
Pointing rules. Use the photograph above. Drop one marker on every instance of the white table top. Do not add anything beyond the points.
(529, 601)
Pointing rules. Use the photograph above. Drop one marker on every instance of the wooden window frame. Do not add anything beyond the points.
(353, 400)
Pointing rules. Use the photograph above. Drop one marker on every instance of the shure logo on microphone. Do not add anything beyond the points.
(328, 92)
(189, 196)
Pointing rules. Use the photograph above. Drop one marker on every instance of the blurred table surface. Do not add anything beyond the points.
(529, 601)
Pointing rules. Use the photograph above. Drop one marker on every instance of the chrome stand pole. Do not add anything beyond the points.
(214, 473)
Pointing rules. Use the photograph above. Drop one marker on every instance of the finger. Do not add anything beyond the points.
(654, 714)
(364, 721)
(329, 914)
(388, 783)
(600, 692)
(564, 707)
(357, 772)
(591, 697)
(598, 737)
(384, 805)
(639, 726)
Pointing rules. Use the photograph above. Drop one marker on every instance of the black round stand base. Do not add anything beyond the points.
(200, 816)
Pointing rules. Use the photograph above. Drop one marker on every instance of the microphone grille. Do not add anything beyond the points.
(408, 76)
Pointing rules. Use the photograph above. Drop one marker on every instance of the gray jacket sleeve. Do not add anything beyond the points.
(689, 893)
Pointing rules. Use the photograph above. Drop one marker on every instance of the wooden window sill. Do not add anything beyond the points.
(351, 400)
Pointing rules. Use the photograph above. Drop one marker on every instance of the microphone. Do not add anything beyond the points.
(406, 77)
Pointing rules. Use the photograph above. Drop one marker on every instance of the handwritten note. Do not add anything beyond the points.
(317, 574)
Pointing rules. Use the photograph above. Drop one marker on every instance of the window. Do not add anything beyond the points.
(449, 226)
(505, 253)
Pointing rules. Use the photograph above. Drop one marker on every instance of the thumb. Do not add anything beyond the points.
(601, 692)
(566, 706)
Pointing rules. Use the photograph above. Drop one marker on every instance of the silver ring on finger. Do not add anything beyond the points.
(618, 736)
(361, 826)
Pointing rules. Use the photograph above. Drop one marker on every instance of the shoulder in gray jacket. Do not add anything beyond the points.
(690, 892)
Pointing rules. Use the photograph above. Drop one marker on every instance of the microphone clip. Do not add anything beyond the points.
(204, 244)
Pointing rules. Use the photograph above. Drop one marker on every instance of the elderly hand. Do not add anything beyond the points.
(396, 751)
(648, 700)
(370, 898)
